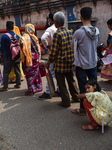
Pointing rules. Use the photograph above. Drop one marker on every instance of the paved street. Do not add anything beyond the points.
(27, 123)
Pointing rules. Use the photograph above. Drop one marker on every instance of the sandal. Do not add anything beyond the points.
(79, 111)
(90, 127)
(3, 89)
(29, 94)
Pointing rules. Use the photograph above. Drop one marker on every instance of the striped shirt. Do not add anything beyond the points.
(61, 53)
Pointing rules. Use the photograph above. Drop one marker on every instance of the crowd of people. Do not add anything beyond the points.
(60, 42)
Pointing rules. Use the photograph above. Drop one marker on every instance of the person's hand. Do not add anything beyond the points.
(49, 47)
(105, 53)
(47, 65)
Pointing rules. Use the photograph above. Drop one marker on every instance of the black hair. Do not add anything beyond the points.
(86, 13)
(47, 23)
(10, 25)
(93, 82)
(109, 22)
(51, 16)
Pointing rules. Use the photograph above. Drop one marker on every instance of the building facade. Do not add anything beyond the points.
(36, 11)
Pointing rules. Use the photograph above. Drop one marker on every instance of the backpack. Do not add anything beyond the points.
(14, 47)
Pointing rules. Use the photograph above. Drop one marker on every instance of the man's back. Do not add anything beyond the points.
(61, 50)
(48, 35)
(5, 44)
(86, 53)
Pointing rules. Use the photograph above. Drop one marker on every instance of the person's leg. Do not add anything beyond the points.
(92, 73)
(46, 95)
(88, 106)
(52, 74)
(81, 78)
(63, 89)
(93, 125)
(18, 73)
(6, 71)
(72, 86)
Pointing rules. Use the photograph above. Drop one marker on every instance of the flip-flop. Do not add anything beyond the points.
(81, 112)
(90, 127)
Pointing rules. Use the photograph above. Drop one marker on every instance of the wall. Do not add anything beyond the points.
(102, 11)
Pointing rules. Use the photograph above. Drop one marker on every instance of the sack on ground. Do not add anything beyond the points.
(14, 47)
(50, 83)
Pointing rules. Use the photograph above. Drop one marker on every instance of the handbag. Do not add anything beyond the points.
(42, 70)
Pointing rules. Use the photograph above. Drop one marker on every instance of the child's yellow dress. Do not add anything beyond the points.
(101, 104)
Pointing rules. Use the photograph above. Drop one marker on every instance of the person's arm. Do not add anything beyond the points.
(45, 37)
(108, 48)
(54, 49)
(75, 36)
(82, 96)
(72, 42)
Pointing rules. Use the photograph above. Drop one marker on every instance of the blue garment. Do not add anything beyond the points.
(51, 68)
(82, 75)
(5, 44)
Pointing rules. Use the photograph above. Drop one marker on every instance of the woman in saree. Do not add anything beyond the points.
(30, 54)
(106, 71)
(12, 75)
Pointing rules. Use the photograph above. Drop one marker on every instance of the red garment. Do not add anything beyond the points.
(88, 106)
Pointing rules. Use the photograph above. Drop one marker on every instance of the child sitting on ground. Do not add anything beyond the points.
(96, 103)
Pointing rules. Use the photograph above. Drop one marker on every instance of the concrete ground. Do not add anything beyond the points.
(27, 123)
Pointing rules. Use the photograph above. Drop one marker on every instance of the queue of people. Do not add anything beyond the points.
(60, 42)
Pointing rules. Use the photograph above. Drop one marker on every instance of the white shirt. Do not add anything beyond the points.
(47, 37)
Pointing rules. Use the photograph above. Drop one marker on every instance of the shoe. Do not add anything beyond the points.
(74, 101)
(3, 89)
(17, 86)
(44, 96)
(62, 105)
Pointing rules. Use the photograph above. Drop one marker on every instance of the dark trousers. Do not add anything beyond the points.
(8, 64)
(63, 88)
(82, 75)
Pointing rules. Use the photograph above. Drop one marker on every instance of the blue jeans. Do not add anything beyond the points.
(51, 68)
(82, 75)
